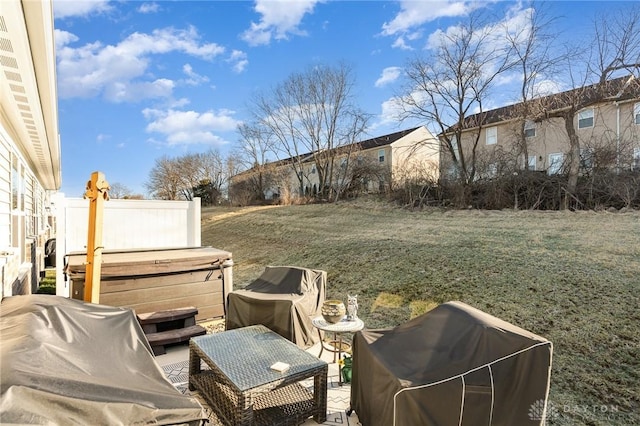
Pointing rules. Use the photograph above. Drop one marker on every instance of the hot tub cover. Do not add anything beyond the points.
(454, 365)
(64, 361)
(119, 263)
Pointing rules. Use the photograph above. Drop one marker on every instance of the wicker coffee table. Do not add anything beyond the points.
(243, 389)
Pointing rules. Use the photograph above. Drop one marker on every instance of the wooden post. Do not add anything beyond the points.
(97, 193)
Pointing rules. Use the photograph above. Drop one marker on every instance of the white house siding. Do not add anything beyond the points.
(29, 140)
(5, 194)
(23, 229)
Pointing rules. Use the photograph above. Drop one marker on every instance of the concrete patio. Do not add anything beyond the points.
(175, 364)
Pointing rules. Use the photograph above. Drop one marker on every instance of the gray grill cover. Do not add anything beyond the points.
(448, 364)
(64, 361)
(285, 299)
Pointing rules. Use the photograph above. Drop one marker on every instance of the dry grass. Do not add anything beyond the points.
(571, 277)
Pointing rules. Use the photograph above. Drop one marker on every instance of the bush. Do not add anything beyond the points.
(530, 190)
(46, 290)
(47, 285)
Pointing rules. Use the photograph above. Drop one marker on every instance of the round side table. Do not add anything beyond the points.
(342, 326)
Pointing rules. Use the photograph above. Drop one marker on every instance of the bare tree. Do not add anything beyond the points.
(451, 84)
(211, 175)
(165, 181)
(615, 52)
(254, 150)
(191, 173)
(534, 47)
(215, 169)
(308, 116)
(118, 190)
(188, 176)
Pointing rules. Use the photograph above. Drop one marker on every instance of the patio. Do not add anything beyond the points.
(175, 364)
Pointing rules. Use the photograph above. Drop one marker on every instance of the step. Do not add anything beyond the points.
(168, 315)
(179, 335)
(154, 322)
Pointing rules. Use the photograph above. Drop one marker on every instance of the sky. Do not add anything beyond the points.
(138, 80)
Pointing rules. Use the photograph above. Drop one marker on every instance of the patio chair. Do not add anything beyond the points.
(284, 299)
(452, 365)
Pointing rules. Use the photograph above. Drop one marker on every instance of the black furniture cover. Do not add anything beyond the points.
(284, 299)
(63, 361)
(454, 365)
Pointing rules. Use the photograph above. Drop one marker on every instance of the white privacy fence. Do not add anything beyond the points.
(128, 224)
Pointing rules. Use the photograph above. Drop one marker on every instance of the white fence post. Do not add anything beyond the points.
(193, 223)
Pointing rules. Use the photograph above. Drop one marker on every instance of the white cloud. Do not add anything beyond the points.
(149, 8)
(401, 44)
(135, 91)
(112, 70)
(488, 42)
(179, 103)
(389, 75)
(390, 112)
(63, 38)
(393, 112)
(547, 87)
(102, 137)
(389, 118)
(71, 8)
(516, 21)
(239, 60)
(279, 19)
(194, 79)
(507, 79)
(190, 127)
(415, 13)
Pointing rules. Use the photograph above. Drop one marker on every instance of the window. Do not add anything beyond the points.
(586, 158)
(15, 184)
(529, 129)
(636, 113)
(531, 162)
(585, 118)
(313, 169)
(343, 163)
(492, 170)
(636, 158)
(491, 134)
(555, 163)
(381, 155)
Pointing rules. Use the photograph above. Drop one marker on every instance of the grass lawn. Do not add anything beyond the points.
(573, 278)
(47, 284)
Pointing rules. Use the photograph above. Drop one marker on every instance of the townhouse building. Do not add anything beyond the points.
(371, 165)
(534, 137)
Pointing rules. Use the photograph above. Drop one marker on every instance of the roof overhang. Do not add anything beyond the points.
(28, 94)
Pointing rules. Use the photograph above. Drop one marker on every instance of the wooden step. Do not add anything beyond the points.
(168, 315)
(179, 335)
(154, 322)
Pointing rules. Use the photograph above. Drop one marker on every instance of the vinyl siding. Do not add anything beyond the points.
(5, 195)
